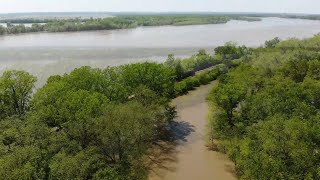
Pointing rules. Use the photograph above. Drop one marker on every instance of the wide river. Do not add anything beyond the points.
(44, 54)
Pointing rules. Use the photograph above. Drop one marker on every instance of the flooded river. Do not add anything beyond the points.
(44, 54)
(189, 159)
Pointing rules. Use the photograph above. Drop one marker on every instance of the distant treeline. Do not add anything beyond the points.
(311, 17)
(123, 22)
(39, 20)
(83, 17)
(290, 16)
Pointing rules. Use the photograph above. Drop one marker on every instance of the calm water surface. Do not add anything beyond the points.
(45, 54)
(190, 159)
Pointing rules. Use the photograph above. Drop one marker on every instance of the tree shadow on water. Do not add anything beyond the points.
(163, 154)
(180, 130)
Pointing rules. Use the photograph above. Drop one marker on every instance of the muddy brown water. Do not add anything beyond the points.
(46, 54)
(188, 158)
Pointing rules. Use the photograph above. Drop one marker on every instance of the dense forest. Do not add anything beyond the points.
(89, 124)
(265, 112)
(96, 123)
(122, 22)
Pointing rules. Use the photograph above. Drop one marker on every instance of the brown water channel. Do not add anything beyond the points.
(188, 157)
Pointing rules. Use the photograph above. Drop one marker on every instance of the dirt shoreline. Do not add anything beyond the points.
(187, 157)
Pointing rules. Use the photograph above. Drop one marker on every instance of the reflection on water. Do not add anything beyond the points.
(57, 53)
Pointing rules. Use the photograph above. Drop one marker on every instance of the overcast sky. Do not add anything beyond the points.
(283, 6)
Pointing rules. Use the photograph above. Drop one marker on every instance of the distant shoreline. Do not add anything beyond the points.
(157, 13)
(74, 24)
(19, 23)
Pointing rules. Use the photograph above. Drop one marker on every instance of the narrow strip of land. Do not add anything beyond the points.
(189, 158)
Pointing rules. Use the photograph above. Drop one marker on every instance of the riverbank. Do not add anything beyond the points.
(187, 156)
(120, 22)
(46, 54)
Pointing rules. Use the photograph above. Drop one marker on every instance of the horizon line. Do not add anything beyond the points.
(162, 12)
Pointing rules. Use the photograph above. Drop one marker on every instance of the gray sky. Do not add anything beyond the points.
(283, 6)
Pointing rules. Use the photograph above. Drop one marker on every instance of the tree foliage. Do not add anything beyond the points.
(96, 123)
(15, 92)
(267, 112)
(102, 120)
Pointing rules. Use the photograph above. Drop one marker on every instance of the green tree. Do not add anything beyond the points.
(2, 30)
(174, 63)
(272, 97)
(279, 148)
(272, 43)
(23, 163)
(314, 69)
(156, 77)
(228, 97)
(228, 51)
(114, 86)
(15, 89)
(124, 131)
(296, 69)
(82, 165)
